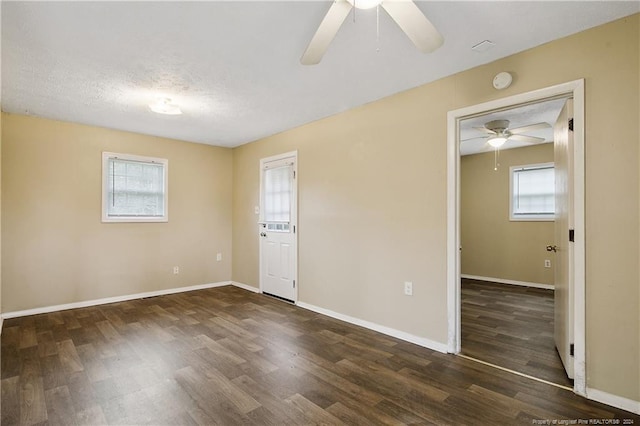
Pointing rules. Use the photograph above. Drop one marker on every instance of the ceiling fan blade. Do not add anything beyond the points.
(414, 24)
(485, 130)
(529, 128)
(525, 139)
(473, 138)
(326, 32)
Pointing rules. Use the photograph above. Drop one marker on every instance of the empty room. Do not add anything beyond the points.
(320, 212)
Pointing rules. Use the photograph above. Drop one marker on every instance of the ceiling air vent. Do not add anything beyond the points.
(483, 46)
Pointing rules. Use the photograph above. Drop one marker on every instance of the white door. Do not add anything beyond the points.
(277, 227)
(564, 290)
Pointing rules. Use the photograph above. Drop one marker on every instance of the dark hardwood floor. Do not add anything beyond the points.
(228, 356)
(512, 327)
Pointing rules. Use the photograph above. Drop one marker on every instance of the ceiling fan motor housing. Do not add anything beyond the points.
(498, 126)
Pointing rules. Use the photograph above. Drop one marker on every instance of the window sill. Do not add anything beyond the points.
(135, 220)
(532, 219)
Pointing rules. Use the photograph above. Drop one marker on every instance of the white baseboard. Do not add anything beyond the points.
(420, 341)
(106, 300)
(246, 286)
(614, 400)
(511, 282)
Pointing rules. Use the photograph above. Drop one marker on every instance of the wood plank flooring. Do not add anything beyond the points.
(228, 356)
(512, 327)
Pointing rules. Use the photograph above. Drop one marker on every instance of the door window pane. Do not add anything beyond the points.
(278, 186)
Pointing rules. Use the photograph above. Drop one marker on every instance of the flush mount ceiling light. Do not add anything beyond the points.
(164, 106)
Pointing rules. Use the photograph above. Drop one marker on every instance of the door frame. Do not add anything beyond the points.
(574, 89)
(294, 217)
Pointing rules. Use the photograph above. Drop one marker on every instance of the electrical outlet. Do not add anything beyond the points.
(176, 270)
(219, 257)
(547, 263)
(256, 210)
(408, 288)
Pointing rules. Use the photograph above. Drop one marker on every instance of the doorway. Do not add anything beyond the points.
(278, 226)
(507, 220)
(575, 259)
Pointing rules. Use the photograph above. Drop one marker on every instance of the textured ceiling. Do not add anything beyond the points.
(234, 68)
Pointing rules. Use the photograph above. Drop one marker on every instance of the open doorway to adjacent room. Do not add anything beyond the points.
(515, 273)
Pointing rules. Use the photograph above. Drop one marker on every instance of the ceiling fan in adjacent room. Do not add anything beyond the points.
(404, 12)
(498, 133)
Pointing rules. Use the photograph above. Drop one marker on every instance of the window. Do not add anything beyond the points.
(134, 189)
(278, 190)
(532, 192)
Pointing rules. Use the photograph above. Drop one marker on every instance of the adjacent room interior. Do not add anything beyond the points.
(507, 226)
(165, 164)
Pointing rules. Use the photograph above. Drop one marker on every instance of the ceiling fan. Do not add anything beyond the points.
(404, 12)
(498, 133)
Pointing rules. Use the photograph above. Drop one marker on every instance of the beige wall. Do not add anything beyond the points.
(493, 246)
(56, 250)
(372, 206)
(370, 211)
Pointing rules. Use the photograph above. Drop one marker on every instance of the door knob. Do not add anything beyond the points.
(263, 234)
(552, 248)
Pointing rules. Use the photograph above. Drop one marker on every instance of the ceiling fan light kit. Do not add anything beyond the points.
(497, 141)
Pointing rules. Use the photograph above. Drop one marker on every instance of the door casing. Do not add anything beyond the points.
(575, 90)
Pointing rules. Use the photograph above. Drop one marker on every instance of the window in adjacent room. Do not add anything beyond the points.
(532, 195)
(134, 188)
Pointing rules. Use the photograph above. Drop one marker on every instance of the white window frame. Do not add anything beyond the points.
(105, 188)
(548, 217)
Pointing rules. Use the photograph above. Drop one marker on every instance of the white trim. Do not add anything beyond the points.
(573, 89)
(278, 157)
(510, 282)
(106, 300)
(245, 286)
(579, 288)
(614, 400)
(106, 156)
(420, 341)
(453, 238)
